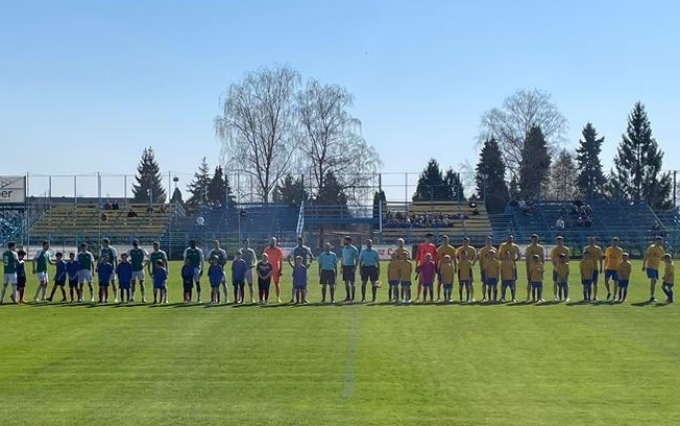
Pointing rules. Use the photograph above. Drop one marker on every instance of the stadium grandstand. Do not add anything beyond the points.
(68, 221)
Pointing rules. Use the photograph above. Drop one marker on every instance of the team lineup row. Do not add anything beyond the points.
(431, 266)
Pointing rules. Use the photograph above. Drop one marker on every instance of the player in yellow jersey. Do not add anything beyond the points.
(562, 272)
(491, 273)
(533, 249)
(650, 264)
(668, 277)
(612, 259)
(405, 271)
(393, 278)
(509, 246)
(465, 277)
(483, 256)
(508, 277)
(623, 273)
(586, 268)
(447, 273)
(471, 255)
(596, 256)
(536, 278)
(555, 253)
(444, 250)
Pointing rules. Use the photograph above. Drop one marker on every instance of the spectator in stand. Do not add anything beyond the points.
(588, 222)
(107, 205)
(473, 204)
(163, 209)
(104, 217)
(475, 212)
(131, 213)
(115, 205)
(560, 223)
(149, 210)
(200, 221)
(580, 222)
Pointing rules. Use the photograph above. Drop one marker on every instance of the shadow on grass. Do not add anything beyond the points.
(579, 303)
(548, 303)
(643, 304)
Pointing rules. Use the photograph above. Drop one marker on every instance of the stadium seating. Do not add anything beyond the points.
(84, 222)
(464, 223)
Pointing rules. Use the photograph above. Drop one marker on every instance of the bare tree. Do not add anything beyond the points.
(563, 182)
(510, 124)
(331, 140)
(257, 126)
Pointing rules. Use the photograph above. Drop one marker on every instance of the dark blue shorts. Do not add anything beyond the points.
(448, 286)
(427, 285)
(596, 276)
(406, 284)
(652, 274)
(586, 282)
(562, 285)
(492, 282)
(623, 283)
(536, 285)
(611, 273)
(124, 285)
(465, 282)
(508, 284)
(393, 283)
(668, 284)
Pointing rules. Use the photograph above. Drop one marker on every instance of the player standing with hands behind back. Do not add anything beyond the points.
(194, 255)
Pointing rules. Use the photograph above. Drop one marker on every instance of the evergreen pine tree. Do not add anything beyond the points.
(379, 199)
(198, 187)
(431, 185)
(562, 184)
(591, 180)
(148, 186)
(455, 189)
(638, 163)
(290, 191)
(534, 164)
(219, 192)
(177, 196)
(490, 178)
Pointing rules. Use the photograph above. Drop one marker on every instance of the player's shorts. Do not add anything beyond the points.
(393, 283)
(623, 284)
(555, 276)
(464, 283)
(327, 277)
(160, 286)
(406, 284)
(239, 283)
(369, 273)
(300, 286)
(60, 283)
(507, 284)
(586, 282)
(562, 285)
(197, 274)
(249, 275)
(537, 285)
(668, 284)
(43, 277)
(611, 273)
(187, 285)
(214, 284)
(72, 282)
(127, 285)
(472, 277)
(264, 284)
(138, 275)
(428, 285)
(84, 276)
(10, 279)
(349, 273)
(652, 274)
(21, 281)
(492, 282)
(448, 286)
(596, 276)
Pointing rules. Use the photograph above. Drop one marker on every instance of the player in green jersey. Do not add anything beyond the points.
(138, 258)
(9, 262)
(195, 257)
(85, 260)
(41, 261)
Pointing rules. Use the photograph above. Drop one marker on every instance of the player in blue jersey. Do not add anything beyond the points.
(369, 265)
(60, 278)
(105, 274)
(216, 278)
(125, 272)
(160, 283)
(72, 268)
(350, 260)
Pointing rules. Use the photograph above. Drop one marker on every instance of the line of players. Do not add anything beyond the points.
(443, 264)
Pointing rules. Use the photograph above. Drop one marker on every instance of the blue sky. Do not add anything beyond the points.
(85, 85)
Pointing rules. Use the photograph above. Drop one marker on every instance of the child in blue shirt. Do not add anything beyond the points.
(215, 277)
(239, 268)
(187, 274)
(124, 272)
(299, 280)
(59, 278)
(105, 273)
(72, 268)
(160, 280)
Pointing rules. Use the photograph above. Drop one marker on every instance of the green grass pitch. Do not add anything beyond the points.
(332, 365)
